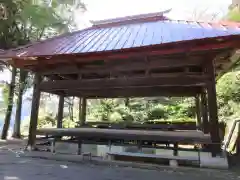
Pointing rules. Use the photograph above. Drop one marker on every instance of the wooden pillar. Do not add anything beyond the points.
(204, 113)
(82, 110)
(82, 119)
(198, 112)
(212, 108)
(34, 111)
(60, 111)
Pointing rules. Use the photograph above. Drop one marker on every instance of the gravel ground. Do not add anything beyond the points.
(13, 167)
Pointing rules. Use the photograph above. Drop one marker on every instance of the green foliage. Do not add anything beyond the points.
(46, 121)
(174, 120)
(68, 123)
(234, 14)
(228, 92)
(228, 87)
(115, 117)
(24, 21)
(105, 109)
(5, 90)
(156, 112)
(142, 110)
(124, 112)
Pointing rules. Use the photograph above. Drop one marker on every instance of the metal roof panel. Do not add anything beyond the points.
(125, 36)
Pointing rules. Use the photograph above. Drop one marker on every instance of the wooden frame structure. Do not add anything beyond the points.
(184, 68)
(194, 77)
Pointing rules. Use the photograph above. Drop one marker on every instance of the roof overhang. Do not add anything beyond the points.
(214, 47)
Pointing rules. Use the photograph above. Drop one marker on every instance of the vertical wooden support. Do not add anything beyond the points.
(82, 110)
(204, 113)
(82, 119)
(60, 111)
(175, 149)
(79, 152)
(139, 146)
(53, 145)
(198, 112)
(212, 108)
(34, 111)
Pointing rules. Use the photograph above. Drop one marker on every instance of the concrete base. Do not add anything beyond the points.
(66, 148)
(107, 162)
(207, 161)
(173, 163)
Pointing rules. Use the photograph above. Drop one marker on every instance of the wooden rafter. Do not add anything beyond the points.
(183, 80)
(134, 92)
(125, 66)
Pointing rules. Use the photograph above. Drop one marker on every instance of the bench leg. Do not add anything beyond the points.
(139, 143)
(175, 150)
(53, 143)
(199, 156)
(88, 155)
(109, 145)
(79, 147)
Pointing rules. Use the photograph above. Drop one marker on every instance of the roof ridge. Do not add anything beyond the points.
(129, 18)
(222, 22)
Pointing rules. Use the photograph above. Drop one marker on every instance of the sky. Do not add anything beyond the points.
(181, 9)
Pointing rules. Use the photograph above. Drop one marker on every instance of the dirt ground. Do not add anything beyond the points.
(15, 167)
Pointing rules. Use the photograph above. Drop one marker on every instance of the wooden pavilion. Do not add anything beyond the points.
(135, 56)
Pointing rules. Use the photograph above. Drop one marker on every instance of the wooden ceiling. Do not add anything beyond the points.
(176, 75)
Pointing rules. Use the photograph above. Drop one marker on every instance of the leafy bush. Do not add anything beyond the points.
(156, 112)
(68, 123)
(228, 87)
(46, 121)
(115, 117)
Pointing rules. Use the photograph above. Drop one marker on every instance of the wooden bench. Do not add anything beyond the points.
(83, 135)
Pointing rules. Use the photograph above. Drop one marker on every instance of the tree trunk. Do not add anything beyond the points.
(17, 123)
(126, 101)
(34, 111)
(10, 104)
(82, 110)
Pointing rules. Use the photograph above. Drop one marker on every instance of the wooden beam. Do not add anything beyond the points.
(125, 66)
(134, 92)
(198, 114)
(83, 111)
(34, 111)
(213, 110)
(126, 134)
(183, 80)
(60, 111)
(79, 110)
(204, 112)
